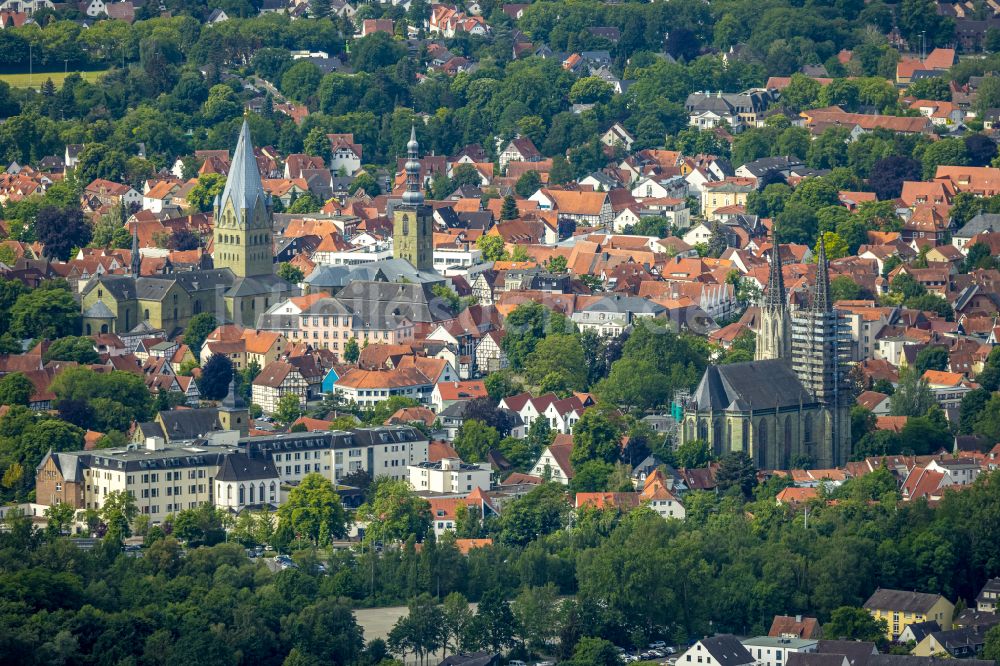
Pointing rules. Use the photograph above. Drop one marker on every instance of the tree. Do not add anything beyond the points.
(913, 395)
(591, 477)
(307, 203)
(182, 240)
(325, 631)
(375, 51)
(991, 647)
(288, 409)
(200, 526)
(319, 8)
(594, 652)
(16, 389)
(421, 631)
(78, 349)
(509, 209)
(888, 174)
(926, 433)
(500, 384)
(474, 440)
(736, 470)
(527, 184)
(843, 288)
(351, 351)
(290, 273)
(542, 511)
(595, 437)
(524, 328)
(946, 151)
(198, 329)
(215, 378)
(693, 454)
(851, 623)
(931, 358)
(365, 182)
(988, 422)
(972, 405)
(836, 247)
(48, 312)
(557, 363)
(534, 609)
(394, 513)
(561, 171)
(494, 624)
(301, 80)
(314, 510)
(60, 517)
(117, 512)
(931, 87)
(980, 148)
(455, 621)
(61, 230)
(492, 247)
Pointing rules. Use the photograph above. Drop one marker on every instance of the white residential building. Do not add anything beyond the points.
(449, 475)
(774, 650)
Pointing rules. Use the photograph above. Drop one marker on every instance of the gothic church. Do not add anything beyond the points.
(790, 406)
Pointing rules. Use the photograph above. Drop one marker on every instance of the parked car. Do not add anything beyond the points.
(670, 650)
(656, 645)
(516, 662)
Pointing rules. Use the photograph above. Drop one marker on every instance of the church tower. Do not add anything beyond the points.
(233, 414)
(412, 232)
(774, 335)
(820, 354)
(243, 230)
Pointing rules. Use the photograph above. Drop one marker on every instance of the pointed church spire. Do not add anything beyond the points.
(136, 258)
(413, 196)
(821, 292)
(775, 298)
(243, 185)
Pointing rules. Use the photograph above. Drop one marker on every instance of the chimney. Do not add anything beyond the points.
(798, 618)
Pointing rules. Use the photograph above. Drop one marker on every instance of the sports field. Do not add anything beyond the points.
(36, 79)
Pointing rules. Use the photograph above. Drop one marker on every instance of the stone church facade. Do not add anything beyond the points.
(790, 406)
(240, 288)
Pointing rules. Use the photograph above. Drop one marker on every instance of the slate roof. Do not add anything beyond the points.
(921, 630)
(737, 387)
(857, 652)
(815, 659)
(727, 650)
(243, 185)
(241, 467)
(184, 424)
(981, 223)
(910, 660)
(901, 600)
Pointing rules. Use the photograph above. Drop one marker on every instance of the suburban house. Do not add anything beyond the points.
(722, 650)
(554, 460)
(900, 609)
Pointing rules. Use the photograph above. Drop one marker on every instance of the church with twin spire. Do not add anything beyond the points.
(790, 406)
(241, 286)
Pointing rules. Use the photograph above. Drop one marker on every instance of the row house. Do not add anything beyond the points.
(561, 414)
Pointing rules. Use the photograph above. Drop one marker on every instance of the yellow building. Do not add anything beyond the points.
(729, 192)
(900, 609)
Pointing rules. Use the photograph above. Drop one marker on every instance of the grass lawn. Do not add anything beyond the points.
(38, 78)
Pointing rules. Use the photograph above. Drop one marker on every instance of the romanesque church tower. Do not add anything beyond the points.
(243, 217)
